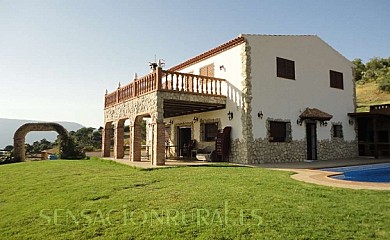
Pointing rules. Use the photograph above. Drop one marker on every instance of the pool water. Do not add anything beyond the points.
(363, 173)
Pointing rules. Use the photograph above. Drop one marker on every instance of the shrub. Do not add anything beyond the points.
(384, 84)
(89, 149)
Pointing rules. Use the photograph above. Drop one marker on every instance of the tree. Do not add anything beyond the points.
(29, 148)
(9, 148)
(87, 138)
(384, 84)
(360, 68)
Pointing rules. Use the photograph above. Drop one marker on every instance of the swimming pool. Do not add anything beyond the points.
(363, 173)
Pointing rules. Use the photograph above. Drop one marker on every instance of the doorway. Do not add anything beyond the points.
(311, 139)
(184, 138)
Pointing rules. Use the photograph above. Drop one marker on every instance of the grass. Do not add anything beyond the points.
(368, 94)
(97, 199)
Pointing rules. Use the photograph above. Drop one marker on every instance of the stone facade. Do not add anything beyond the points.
(336, 149)
(134, 110)
(264, 151)
(245, 155)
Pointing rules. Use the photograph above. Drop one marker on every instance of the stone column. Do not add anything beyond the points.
(119, 140)
(135, 149)
(131, 130)
(158, 144)
(19, 148)
(106, 140)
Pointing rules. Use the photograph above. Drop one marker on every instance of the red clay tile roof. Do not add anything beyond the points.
(228, 45)
(315, 114)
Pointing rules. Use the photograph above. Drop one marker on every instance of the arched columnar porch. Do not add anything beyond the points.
(159, 94)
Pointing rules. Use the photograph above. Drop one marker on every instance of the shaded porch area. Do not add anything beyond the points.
(374, 131)
(157, 96)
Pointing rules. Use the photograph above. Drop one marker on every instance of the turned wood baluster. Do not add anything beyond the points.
(201, 84)
(136, 89)
(170, 82)
(190, 84)
(174, 77)
(180, 79)
(147, 80)
(187, 79)
(197, 83)
(206, 85)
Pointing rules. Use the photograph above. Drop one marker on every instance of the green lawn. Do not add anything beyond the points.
(101, 199)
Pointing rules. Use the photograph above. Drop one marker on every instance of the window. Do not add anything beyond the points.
(285, 68)
(210, 131)
(207, 70)
(278, 131)
(336, 79)
(338, 130)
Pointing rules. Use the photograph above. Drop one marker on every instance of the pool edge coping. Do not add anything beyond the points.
(320, 177)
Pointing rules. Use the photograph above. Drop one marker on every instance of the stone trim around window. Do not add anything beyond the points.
(332, 135)
(288, 129)
(202, 126)
(182, 124)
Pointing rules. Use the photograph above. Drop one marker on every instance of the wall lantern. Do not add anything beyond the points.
(350, 121)
(195, 119)
(324, 123)
(299, 121)
(230, 115)
(222, 67)
(260, 114)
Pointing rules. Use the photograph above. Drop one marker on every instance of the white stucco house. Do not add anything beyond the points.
(284, 97)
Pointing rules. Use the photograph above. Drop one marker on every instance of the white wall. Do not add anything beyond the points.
(231, 60)
(284, 98)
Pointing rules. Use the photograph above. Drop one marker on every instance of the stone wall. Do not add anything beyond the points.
(237, 155)
(264, 151)
(146, 104)
(244, 145)
(336, 148)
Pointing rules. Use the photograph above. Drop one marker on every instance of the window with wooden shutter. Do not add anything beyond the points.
(336, 79)
(277, 131)
(207, 70)
(210, 131)
(285, 68)
(338, 130)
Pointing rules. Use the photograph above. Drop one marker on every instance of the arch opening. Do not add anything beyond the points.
(68, 148)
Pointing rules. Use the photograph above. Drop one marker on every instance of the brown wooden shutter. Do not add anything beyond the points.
(285, 68)
(278, 131)
(207, 70)
(290, 69)
(336, 79)
(280, 66)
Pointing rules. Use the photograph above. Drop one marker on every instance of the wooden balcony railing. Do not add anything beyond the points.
(162, 80)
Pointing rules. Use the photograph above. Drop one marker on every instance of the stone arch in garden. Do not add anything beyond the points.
(20, 137)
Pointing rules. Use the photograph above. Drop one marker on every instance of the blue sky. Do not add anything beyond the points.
(57, 58)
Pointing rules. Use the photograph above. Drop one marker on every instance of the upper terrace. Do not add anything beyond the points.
(190, 93)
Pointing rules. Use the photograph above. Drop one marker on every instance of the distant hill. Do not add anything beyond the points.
(368, 94)
(9, 126)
